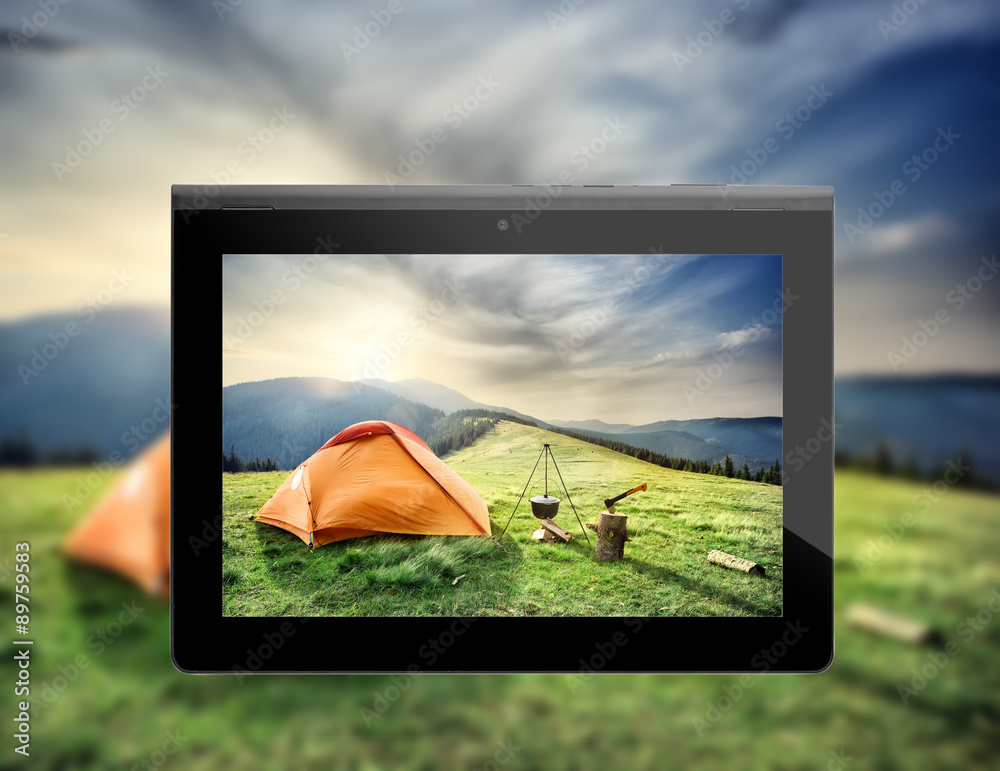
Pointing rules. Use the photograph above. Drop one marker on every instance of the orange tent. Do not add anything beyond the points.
(375, 477)
(129, 530)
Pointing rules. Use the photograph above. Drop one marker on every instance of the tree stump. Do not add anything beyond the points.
(612, 533)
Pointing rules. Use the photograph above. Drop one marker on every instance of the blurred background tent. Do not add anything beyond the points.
(104, 104)
(128, 532)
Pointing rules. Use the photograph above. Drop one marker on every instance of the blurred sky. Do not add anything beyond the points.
(106, 104)
(554, 336)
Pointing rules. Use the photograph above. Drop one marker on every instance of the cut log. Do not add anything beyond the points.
(881, 622)
(541, 534)
(612, 533)
(557, 531)
(592, 526)
(733, 562)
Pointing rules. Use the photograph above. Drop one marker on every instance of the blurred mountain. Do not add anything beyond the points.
(86, 379)
(923, 420)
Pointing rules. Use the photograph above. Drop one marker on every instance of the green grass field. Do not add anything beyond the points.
(673, 526)
(114, 706)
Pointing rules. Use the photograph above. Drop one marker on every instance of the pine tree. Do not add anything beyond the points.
(235, 464)
(745, 472)
(729, 467)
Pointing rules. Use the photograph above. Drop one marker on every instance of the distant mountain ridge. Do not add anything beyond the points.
(115, 374)
(681, 444)
(756, 440)
(440, 397)
(593, 425)
(756, 437)
(269, 419)
(288, 419)
(432, 394)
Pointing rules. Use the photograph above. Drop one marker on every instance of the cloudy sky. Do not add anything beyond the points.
(621, 338)
(107, 103)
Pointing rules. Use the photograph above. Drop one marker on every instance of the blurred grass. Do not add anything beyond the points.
(120, 707)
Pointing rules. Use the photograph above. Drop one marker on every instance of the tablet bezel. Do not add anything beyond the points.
(794, 222)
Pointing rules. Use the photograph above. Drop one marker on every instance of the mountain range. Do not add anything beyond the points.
(686, 444)
(440, 397)
(115, 372)
(711, 439)
(288, 418)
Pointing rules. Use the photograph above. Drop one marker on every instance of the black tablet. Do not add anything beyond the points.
(528, 428)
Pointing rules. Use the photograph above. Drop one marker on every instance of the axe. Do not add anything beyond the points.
(609, 503)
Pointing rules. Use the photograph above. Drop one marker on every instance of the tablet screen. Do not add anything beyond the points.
(452, 435)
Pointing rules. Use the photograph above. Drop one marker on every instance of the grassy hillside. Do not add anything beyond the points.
(119, 709)
(673, 526)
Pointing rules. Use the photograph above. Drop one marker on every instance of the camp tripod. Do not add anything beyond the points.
(545, 506)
